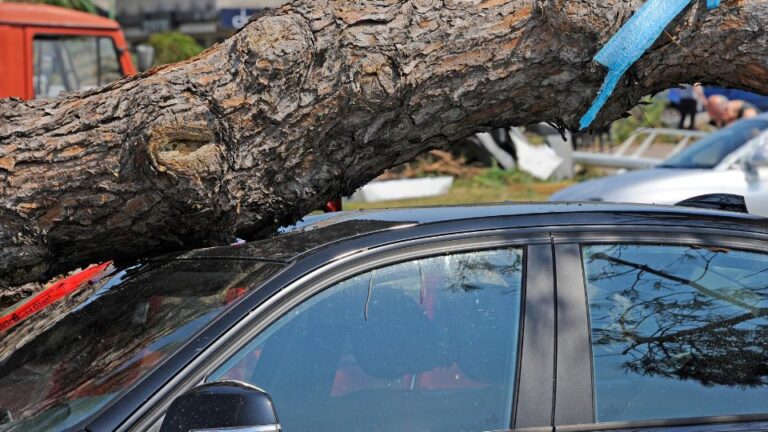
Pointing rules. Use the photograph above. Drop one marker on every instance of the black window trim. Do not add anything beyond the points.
(536, 366)
(564, 407)
(574, 398)
(317, 280)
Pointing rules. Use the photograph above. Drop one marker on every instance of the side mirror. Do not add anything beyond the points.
(225, 405)
(145, 57)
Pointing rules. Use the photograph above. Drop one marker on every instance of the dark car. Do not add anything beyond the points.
(566, 317)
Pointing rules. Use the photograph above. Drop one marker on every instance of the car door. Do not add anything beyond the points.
(446, 336)
(662, 331)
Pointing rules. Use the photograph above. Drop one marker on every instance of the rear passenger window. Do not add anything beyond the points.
(677, 332)
(425, 345)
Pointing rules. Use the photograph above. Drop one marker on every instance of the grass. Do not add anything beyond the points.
(491, 185)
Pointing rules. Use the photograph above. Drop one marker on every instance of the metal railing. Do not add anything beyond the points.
(614, 161)
(629, 157)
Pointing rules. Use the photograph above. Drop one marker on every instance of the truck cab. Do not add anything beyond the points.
(46, 50)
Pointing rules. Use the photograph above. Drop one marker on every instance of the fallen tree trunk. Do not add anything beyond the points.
(311, 101)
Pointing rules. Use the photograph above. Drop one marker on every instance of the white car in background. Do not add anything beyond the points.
(733, 160)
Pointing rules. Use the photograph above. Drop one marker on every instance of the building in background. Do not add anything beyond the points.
(208, 21)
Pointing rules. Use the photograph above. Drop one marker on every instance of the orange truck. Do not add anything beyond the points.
(46, 50)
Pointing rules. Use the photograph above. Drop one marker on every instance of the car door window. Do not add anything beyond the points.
(677, 331)
(425, 345)
(71, 63)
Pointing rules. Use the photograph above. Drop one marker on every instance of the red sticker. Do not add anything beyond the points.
(51, 294)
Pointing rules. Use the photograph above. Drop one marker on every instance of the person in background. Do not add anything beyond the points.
(716, 108)
(739, 109)
(673, 96)
(724, 112)
(691, 98)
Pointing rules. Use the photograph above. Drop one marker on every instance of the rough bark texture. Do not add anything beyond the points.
(311, 101)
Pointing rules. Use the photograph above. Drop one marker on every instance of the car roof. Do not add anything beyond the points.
(31, 14)
(319, 231)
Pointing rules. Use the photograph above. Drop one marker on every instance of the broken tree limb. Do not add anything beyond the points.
(311, 101)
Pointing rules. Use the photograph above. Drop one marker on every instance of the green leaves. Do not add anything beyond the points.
(82, 5)
(172, 47)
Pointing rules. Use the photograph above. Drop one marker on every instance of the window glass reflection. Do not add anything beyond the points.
(425, 345)
(65, 362)
(677, 331)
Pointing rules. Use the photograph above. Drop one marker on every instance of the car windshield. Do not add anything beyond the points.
(71, 63)
(62, 364)
(712, 149)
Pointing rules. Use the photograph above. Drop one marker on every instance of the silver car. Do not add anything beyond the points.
(730, 160)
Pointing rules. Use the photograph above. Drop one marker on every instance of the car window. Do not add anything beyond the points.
(677, 331)
(71, 63)
(62, 364)
(424, 345)
(712, 149)
(109, 63)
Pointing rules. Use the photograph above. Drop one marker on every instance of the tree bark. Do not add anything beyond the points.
(311, 101)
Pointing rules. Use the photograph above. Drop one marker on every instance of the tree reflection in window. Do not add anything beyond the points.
(677, 331)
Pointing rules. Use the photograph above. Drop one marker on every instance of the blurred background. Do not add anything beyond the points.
(177, 29)
(686, 141)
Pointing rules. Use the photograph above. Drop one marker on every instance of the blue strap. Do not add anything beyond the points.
(632, 40)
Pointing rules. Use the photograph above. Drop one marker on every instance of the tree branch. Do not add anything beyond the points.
(309, 102)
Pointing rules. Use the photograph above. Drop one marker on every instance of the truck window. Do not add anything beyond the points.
(71, 63)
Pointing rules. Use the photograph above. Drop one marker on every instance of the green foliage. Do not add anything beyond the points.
(83, 5)
(172, 47)
(646, 115)
(497, 177)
